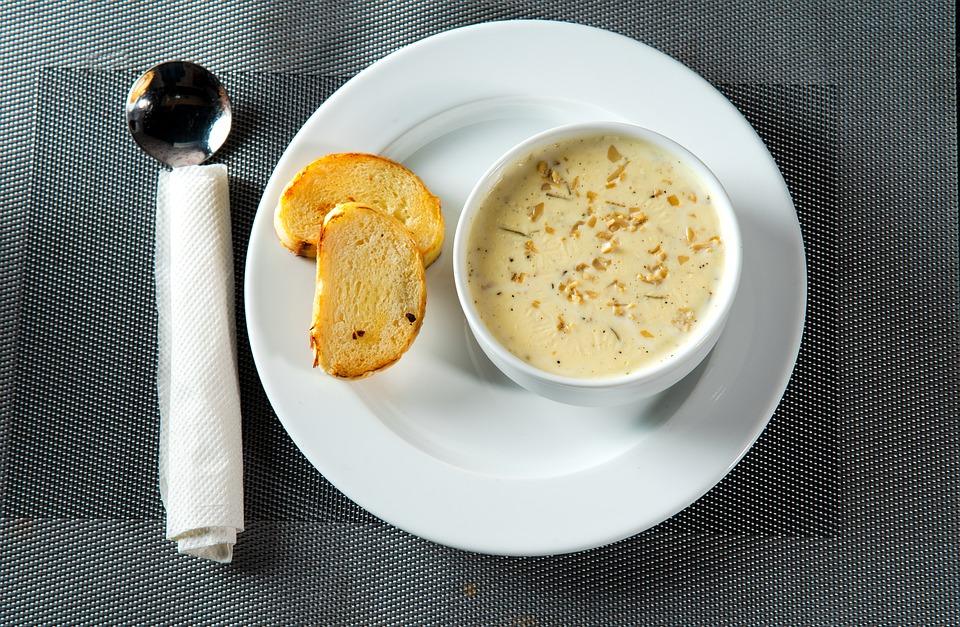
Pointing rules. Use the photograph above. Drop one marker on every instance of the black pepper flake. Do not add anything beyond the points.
(412, 318)
(360, 332)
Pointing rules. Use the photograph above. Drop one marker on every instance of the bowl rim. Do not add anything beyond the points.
(723, 298)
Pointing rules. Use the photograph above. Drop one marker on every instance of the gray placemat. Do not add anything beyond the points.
(859, 99)
(83, 439)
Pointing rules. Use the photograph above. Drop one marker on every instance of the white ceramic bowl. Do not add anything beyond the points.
(644, 381)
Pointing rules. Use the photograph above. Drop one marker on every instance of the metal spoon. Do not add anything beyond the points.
(179, 113)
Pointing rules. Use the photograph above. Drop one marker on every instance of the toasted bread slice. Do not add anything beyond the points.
(353, 177)
(371, 292)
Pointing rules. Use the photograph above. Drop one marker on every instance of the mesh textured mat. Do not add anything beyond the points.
(846, 508)
(85, 378)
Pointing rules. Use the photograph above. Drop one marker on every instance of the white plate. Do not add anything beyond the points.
(442, 445)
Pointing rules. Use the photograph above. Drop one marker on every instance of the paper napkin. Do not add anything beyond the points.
(201, 460)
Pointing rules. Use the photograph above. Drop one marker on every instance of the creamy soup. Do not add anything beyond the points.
(593, 257)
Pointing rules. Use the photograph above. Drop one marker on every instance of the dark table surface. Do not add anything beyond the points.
(846, 511)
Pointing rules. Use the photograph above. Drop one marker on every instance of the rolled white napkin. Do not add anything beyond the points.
(201, 458)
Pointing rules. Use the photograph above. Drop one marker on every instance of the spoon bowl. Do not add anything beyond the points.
(179, 113)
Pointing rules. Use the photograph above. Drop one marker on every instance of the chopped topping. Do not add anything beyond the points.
(581, 267)
(600, 263)
(535, 304)
(575, 229)
(613, 154)
(591, 196)
(535, 212)
(637, 219)
(605, 235)
(592, 222)
(518, 277)
(620, 309)
(530, 247)
(549, 229)
(551, 180)
(683, 259)
(645, 333)
(692, 197)
(412, 318)
(654, 250)
(655, 275)
(707, 244)
(617, 221)
(562, 325)
(610, 246)
(571, 292)
(617, 172)
(618, 284)
(691, 236)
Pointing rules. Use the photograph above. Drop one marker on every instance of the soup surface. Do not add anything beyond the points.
(594, 256)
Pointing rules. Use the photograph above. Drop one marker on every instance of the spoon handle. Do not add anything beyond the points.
(201, 464)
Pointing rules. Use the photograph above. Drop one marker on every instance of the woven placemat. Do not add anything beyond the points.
(84, 437)
(849, 521)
